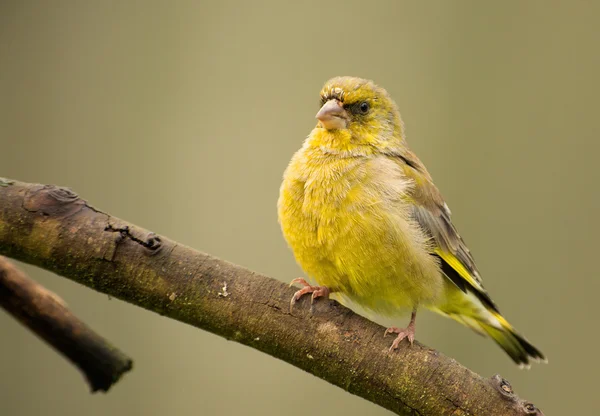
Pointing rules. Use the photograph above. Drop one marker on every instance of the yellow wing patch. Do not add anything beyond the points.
(459, 267)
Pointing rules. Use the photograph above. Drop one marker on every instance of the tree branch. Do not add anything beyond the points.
(53, 228)
(48, 317)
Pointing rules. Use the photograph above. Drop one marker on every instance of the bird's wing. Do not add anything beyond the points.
(433, 215)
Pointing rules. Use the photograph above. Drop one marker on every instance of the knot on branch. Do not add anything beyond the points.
(151, 242)
(506, 390)
(51, 200)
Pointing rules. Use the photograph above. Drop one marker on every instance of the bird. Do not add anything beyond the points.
(364, 219)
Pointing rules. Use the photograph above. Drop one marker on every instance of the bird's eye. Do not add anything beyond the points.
(364, 107)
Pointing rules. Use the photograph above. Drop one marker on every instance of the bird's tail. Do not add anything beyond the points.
(517, 347)
(487, 320)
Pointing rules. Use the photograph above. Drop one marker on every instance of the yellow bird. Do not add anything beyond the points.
(364, 219)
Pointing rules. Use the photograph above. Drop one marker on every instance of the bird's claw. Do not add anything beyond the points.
(408, 332)
(317, 291)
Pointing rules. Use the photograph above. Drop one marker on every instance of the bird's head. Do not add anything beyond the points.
(359, 111)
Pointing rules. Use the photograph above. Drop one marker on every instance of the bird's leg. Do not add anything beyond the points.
(408, 332)
(317, 291)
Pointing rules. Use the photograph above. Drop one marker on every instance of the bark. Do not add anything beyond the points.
(48, 317)
(53, 228)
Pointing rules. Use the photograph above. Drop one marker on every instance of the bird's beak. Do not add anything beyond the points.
(332, 115)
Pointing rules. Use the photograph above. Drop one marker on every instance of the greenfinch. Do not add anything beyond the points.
(365, 220)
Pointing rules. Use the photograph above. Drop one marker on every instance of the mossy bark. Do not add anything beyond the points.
(53, 228)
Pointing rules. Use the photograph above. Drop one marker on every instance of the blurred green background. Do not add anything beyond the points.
(181, 117)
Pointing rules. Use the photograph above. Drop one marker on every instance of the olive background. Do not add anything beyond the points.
(181, 117)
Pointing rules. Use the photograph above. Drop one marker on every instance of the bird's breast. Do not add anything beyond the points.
(322, 198)
(332, 208)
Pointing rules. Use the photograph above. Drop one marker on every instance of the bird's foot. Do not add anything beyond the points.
(408, 332)
(317, 291)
